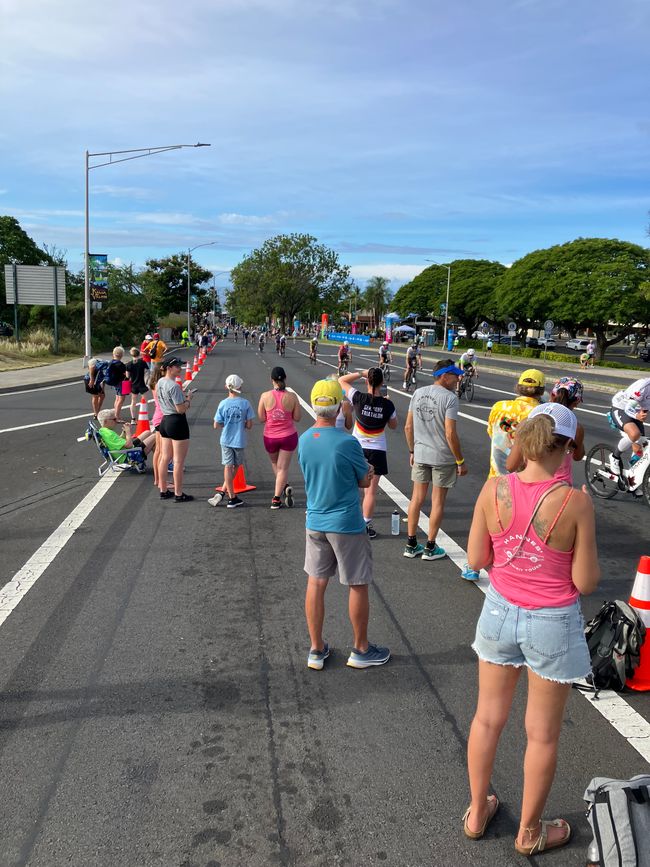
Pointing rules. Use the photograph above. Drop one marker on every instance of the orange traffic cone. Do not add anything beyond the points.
(188, 373)
(195, 366)
(179, 381)
(143, 419)
(640, 601)
(240, 485)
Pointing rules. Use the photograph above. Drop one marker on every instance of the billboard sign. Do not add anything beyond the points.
(98, 276)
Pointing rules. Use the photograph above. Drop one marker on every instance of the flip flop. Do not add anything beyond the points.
(476, 835)
(542, 844)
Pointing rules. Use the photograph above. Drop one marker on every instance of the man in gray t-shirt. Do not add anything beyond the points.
(436, 456)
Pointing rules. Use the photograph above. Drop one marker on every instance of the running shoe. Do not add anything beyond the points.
(370, 530)
(316, 658)
(469, 574)
(435, 553)
(232, 504)
(288, 496)
(413, 550)
(614, 465)
(166, 495)
(375, 655)
(183, 498)
(218, 497)
(276, 503)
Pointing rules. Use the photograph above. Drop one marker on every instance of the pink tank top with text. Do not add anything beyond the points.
(279, 421)
(525, 570)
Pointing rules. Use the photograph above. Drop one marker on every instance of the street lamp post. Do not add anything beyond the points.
(214, 290)
(189, 251)
(136, 153)
(448, 267)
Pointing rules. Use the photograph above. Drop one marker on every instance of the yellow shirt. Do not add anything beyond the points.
(505, 415)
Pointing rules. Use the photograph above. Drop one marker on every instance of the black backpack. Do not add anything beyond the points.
(614, 638)
(100, 372)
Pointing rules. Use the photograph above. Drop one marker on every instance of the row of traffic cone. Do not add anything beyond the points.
(640, 601)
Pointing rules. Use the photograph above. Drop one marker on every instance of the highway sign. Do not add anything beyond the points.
(549, 325)
(512, 327)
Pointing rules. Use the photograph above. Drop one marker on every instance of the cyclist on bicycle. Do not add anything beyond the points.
(411, 362)
(384, 353)
(345, 356)
(261, 341)
(629, 411)
(313, 348)
(467, 364)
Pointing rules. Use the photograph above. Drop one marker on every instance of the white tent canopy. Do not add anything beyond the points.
(405, 328)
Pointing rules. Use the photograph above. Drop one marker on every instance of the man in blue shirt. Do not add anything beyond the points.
(235, 415)
(334, 469)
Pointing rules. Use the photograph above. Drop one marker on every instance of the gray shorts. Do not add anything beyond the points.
(231, 457)
(348, 552)
(441, 476)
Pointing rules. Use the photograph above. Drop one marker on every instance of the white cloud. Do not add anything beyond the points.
(393, 271)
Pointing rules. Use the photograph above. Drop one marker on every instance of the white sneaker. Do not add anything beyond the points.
(614, 465)
(218, 497)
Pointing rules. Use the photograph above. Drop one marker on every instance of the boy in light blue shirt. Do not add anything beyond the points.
(235, 416)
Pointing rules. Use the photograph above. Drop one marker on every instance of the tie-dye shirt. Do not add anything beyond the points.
(505, 415)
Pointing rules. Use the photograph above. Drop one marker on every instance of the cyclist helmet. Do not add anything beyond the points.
(573, 388)
(345, 343)
(471, 353)
(385, 343)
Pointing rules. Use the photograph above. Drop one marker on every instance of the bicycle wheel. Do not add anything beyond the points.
(387, 374)
(469, 389)
(601, 481)
(645, 487)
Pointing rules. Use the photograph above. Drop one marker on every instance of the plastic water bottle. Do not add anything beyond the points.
(593, 855)
(394, 523)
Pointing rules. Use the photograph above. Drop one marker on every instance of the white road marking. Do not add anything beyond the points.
(54, 420)
(43, 388)
(613, 707)
(22, 582)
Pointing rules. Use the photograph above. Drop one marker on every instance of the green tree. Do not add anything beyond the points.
(288, 276)
(16, 247)
(591, 283)
(164, 283)
(376, 298)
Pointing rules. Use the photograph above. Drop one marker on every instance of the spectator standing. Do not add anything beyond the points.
(435, 454)
(373, 413)
(174, 429)
(146, 357)
(334, 468)
(279, 410)
(156, 349)
(115, 376)
(235, 416)
(537, 536)
(155, 424)
(505, 415)
(136, 370)
(95, 384)
(488, 346)
(591, 352)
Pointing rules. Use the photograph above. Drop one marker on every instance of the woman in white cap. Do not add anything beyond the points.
(536, 535)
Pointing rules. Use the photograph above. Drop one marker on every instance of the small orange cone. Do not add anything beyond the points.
(640, 601)
(143, 419)
(195, 366)
(179, 381)
(188, 373)
(240, 485)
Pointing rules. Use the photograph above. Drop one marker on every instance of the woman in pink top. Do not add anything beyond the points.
(537, 537)
(568, 392)
(279, 410)
(155, 422)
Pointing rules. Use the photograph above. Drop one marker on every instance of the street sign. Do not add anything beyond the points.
(443, 307)
(512, 327)
(549, 325)
(484, 325)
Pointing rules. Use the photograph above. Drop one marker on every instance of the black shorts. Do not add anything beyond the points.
(138, 442)
(377, 460)
(139, 389)
(621, 418)
(94, 389)
(175, 427)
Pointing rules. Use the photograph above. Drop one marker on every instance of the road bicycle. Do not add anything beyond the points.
(466, 386)
(604, 481)
(410, 378)
(283, 350)
(343, 367)
(385, 369)
(312, 357)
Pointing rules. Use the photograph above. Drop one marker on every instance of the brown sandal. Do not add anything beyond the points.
(541, 844)
(476, 835)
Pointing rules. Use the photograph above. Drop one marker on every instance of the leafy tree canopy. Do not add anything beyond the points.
(164, 283)
(587, 283)
(288, 276)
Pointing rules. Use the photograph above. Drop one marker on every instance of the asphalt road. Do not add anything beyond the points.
(156, 704)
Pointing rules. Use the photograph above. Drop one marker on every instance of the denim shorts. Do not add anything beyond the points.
(549, 641)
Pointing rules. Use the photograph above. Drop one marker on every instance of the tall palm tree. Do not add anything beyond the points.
(376, 298)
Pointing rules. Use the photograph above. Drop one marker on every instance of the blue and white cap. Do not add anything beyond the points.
(565, 422)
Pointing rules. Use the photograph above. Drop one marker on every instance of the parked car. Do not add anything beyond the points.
(6, 330)
(480, 335)
(548, 342)
(532, 342)
(644, 354)
(507, 341)
(578, 343)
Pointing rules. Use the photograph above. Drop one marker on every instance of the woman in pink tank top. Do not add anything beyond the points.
(279, 410)
(536, 536)
(568, 392)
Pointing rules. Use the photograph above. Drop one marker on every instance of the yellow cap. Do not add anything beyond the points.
(532, 377)
(326, 392)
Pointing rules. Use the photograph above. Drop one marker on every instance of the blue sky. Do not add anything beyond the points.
(392, 130)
